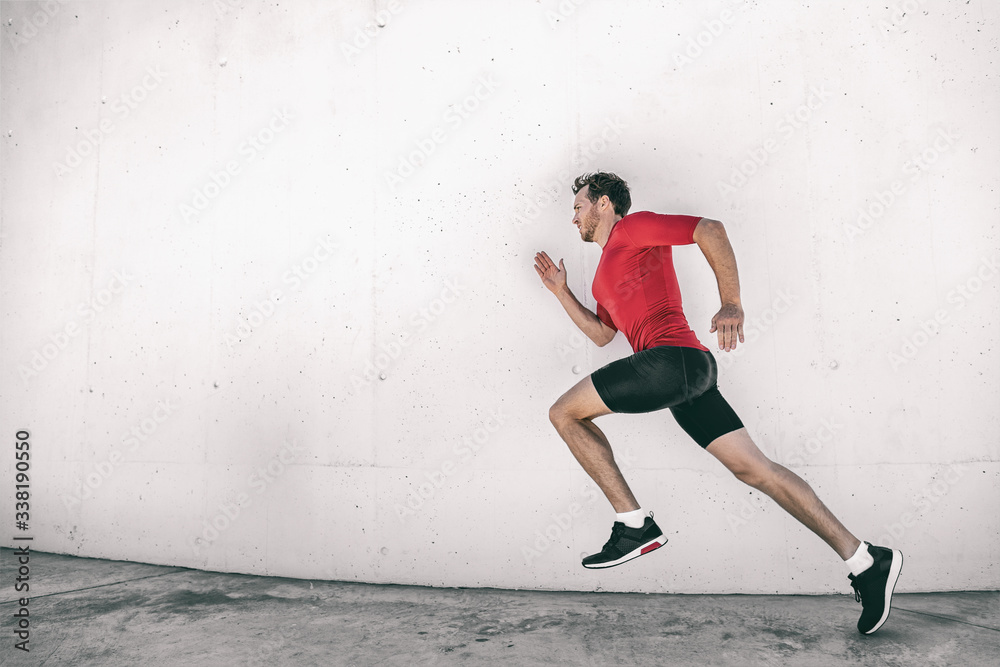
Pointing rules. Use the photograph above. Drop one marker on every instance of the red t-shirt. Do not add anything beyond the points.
(635, 284)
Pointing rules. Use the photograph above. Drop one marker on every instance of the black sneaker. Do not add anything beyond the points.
(873, 587)
(627, 543)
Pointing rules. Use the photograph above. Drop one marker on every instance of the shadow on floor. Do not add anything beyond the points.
(86, 611)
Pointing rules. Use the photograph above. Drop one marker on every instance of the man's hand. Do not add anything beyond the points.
(729, 323)
(553, 277)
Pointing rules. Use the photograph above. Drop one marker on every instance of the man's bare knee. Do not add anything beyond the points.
(558, 414)
(756, 473)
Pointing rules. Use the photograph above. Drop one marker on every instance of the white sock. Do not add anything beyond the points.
(860, 561)
(633, 519)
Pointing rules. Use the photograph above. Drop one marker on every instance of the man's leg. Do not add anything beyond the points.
(741, 456)
(874, 569)
(572, 415)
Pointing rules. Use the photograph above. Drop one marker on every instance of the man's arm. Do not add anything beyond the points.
(590, 324)
(710, 235)
(554, 279)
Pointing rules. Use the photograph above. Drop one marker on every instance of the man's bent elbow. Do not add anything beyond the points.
(707, 227)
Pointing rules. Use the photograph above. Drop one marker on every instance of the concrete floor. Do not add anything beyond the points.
(87, 611)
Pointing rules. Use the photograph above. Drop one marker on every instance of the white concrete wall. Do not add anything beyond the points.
(184, 310)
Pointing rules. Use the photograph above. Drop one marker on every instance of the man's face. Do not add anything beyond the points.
(585, 215)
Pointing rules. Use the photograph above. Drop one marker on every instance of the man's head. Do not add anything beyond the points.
(601, 200)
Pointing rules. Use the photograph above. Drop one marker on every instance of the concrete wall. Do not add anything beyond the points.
(269, 307)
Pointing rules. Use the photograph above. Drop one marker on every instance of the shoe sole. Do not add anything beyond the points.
(635, 553)
(890, 585)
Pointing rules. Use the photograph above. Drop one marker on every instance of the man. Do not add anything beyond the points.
(636, 292)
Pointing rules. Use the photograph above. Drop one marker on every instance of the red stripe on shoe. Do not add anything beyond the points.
(649, 547)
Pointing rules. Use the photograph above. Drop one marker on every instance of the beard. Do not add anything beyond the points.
(589, 225)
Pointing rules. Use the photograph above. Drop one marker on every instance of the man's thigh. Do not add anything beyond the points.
(646, 381)
(708, 418)
(737, 451)
(581, 402)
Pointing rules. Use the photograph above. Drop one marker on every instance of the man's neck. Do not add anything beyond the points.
(603, 241)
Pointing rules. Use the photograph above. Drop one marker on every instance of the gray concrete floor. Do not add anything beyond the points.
(88, 611)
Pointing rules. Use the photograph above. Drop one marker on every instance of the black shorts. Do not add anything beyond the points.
(680, 378)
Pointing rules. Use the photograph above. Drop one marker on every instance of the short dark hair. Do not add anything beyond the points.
(603, 183)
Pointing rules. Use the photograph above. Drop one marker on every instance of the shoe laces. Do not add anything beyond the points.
(857, 589)
(616, 530)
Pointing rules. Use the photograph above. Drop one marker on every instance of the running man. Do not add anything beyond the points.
(637, 292)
